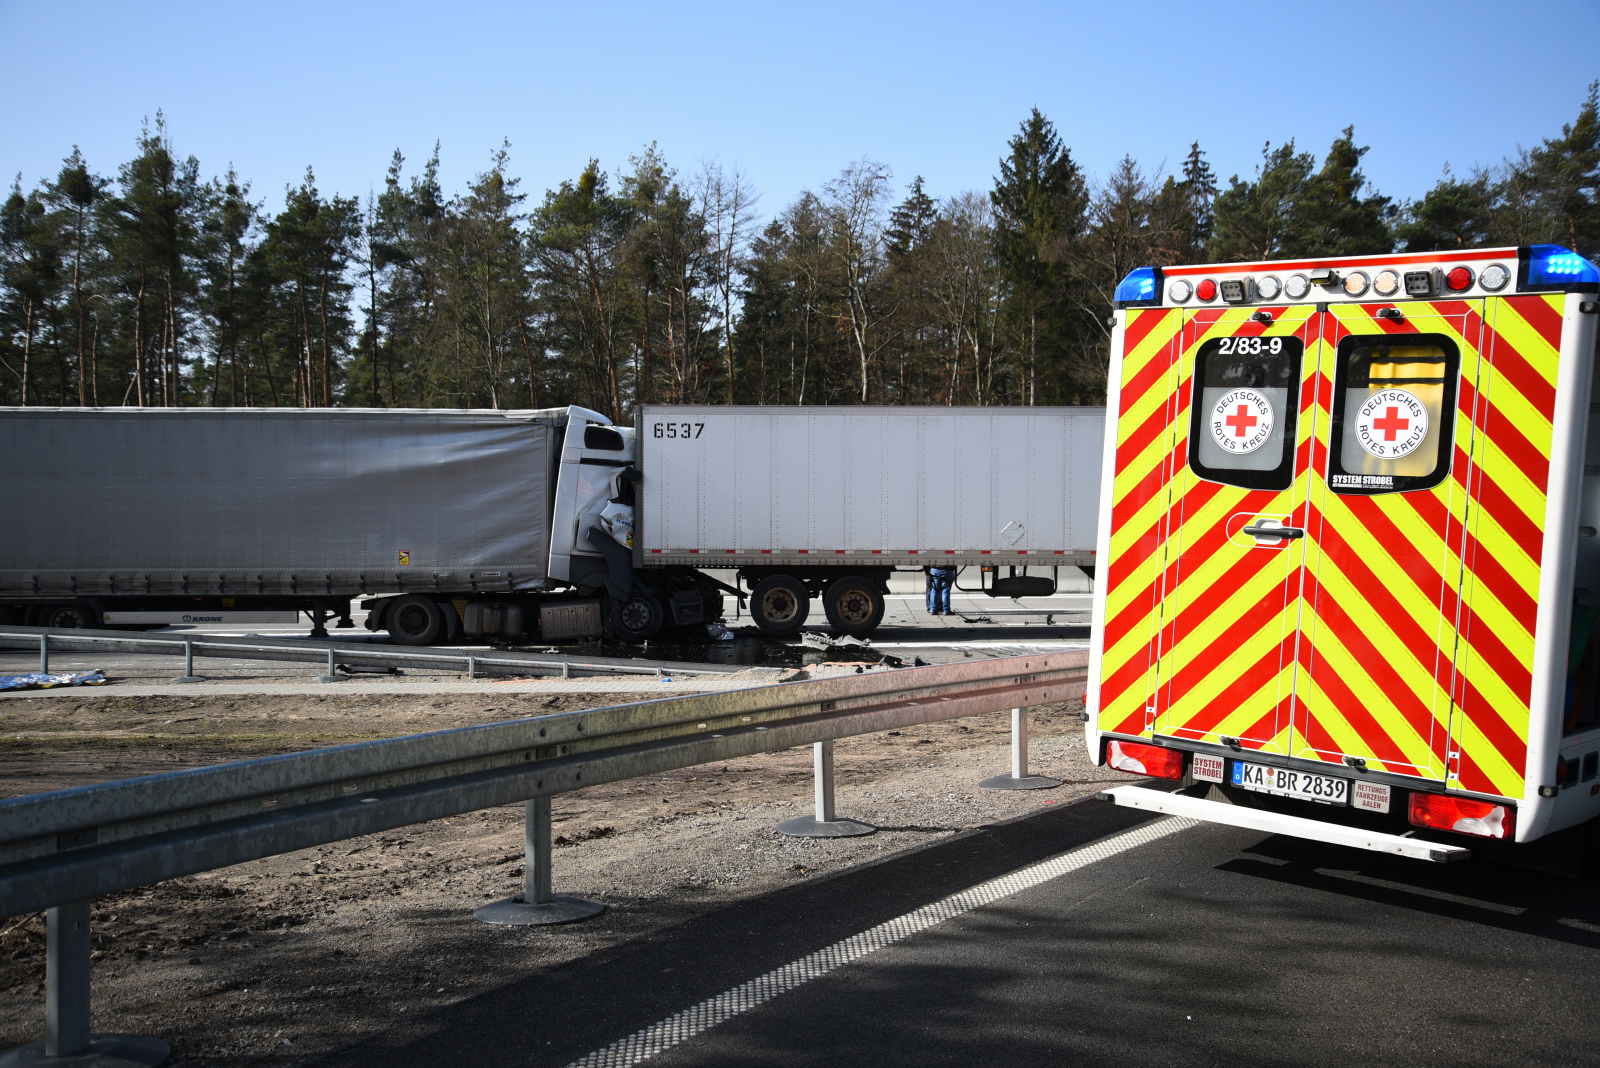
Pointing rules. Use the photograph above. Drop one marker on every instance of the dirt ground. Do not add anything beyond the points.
(280, 960)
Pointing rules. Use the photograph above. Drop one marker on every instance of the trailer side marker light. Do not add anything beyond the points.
(1150, 760)
(1206, 290)
(1462, 815)
(1458, 279)
(1552, 265)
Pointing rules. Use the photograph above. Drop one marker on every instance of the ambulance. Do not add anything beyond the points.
(1351, 577)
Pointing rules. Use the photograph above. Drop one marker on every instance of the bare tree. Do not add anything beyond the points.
(854, 202)
(727, 208)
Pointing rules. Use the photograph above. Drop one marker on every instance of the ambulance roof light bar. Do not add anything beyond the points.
(1551, 267)
(1142, 288)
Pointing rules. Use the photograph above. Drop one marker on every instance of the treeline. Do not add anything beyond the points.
(157, 287)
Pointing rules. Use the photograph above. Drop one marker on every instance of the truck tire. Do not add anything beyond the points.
(780, 604)
(67, 616)
(854, 605)
(639, 618)
(414, 620)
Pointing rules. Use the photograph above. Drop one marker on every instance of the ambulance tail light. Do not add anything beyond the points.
(1551, 267)
(1141, 288)
(1151, 760)
(1463, 815)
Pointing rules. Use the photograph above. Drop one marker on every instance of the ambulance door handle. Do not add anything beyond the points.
(1261, 530)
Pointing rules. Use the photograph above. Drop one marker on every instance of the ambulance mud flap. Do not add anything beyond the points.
(1276, 823)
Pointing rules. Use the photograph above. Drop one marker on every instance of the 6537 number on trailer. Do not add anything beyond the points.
(677, 430)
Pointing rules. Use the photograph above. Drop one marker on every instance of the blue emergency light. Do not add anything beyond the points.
(1550, 267)
(1141, 287)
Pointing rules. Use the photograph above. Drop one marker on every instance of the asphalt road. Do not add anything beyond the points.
(1212, 946)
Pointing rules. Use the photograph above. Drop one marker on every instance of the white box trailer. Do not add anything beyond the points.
(826, 501)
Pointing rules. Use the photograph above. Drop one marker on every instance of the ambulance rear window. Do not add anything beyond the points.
(1242, 424)
(1394, 402)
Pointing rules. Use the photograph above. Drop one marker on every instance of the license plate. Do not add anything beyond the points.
(1287, 782)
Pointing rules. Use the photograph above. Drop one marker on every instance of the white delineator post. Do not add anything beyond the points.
(826, 822)
(537, 906)
(822, 766)
(1019, 779)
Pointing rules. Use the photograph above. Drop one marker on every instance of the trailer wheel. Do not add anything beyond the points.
(67, 616)
(414, 621)
(780, 604)
(854, 605)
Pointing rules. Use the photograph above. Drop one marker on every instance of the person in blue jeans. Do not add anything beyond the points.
(940, 581)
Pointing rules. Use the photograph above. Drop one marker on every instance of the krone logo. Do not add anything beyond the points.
(1392, 423)
(1241, 421)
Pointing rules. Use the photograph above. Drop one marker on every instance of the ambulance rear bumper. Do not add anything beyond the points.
(1275, 823)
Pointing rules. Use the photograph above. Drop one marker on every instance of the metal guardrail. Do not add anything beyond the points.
(335, 653)
(60, 849)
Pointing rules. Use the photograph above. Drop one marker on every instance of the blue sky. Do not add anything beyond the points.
(788, 93)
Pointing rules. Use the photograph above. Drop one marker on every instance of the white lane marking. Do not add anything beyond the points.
(660, 1037)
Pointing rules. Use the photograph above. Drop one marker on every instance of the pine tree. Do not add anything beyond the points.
(1330, 217)
(1040, 200)
(1253, 220)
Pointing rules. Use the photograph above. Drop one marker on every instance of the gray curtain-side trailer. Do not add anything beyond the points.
(440, 518)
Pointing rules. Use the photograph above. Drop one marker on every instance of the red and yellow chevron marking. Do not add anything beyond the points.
(1401, 628)
(1504, 539)
(1382, 575)
(1230, 608)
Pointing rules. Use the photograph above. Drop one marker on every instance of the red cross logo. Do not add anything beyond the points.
(1241, 421)
(1391, 423)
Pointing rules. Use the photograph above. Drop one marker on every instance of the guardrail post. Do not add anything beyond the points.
(826, 823)
(1019, 779)
(67, 1040)
(66, 970)
(332, 675)
(44, 654)
(472, 667)
(537, 906)
(188, 665)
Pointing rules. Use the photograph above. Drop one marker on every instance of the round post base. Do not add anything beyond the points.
(190, 678)
(1031, 782)
(105, 1051)
(515, 912)
(810, 827)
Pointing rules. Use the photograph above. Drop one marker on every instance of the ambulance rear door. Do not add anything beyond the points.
(1384, 535)
(1230, 584)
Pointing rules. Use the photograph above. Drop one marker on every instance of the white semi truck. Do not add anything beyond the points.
(550, 524)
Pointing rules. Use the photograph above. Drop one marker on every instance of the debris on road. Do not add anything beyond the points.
(40, 681)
